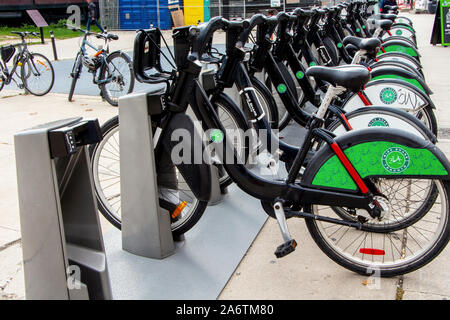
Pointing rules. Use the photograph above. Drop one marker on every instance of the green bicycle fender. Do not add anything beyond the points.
(393, 72)
(376, 152)
(397, 46)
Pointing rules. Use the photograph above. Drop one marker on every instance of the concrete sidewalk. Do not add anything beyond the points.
(305, 274)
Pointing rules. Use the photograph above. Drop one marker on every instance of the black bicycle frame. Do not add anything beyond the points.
(194, 95)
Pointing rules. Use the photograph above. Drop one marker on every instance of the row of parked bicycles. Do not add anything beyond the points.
(367, 176)
(112, 72)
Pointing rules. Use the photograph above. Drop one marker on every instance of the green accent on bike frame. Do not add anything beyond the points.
(299, 75)
(216, 136)
(367, 158)
(312, 64)
(358, 30)
(339, 45)
(281, 88)
(398, 48)
(414, 82)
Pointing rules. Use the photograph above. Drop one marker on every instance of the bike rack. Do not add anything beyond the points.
(62, 243)
(146, 227)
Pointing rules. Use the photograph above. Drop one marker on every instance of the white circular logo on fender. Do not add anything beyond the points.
(395, 160)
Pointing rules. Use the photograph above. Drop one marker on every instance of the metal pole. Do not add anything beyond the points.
(157, 8)
(52, 37)
(42, 34)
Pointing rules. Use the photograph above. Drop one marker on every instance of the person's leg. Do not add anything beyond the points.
(88, 24)
(98, 25)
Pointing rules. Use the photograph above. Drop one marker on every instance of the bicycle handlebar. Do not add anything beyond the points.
(207, 30)
(25, 33)
(255, 21)
(98, 35)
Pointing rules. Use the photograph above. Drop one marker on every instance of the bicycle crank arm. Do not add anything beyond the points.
(289, 244)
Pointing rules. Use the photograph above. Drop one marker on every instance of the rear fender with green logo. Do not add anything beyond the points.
(404, 20)
(402, 57)
(393, 72)
(400, 35)
(376, 152)
(393, 93)
(400, 46)
(402, 25)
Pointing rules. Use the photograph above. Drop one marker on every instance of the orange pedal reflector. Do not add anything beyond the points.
(178, 209)
(375, 252)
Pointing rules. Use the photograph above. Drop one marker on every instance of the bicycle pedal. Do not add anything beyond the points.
(286, 248)
(21, 86)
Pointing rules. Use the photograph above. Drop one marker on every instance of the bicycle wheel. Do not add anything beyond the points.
(427, 116)
(2, 78)
(232, 119)
(385, 253)
(267, 102)
(105, 159)
(332, 50)
(75, 74)
(37, 74)
(283, 116)
(117, 74)
(105, 162)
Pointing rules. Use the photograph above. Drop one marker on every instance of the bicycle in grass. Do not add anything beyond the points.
(34, 69)
(112, 72)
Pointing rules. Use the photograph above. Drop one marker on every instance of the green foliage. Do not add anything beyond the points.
(59, 29)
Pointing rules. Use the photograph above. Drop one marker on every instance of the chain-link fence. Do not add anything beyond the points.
(137, 14)
(109, 13)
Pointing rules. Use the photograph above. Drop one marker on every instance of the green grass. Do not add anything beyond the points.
(59, 30)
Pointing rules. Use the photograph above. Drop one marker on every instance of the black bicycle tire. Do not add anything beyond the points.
(2, 84)
(102, 76)
(76, 71)
(240, 119)
(311, 224)
(196, 215)
(24, 79)
(262, 89)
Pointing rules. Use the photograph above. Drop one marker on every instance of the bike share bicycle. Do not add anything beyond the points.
(385, 76)
(342, 173)
(34, 69)
(112, 72)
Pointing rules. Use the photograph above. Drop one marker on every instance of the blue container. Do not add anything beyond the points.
(137, 14)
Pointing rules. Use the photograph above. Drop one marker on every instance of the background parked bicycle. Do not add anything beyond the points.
(34, 69)
(112, 73)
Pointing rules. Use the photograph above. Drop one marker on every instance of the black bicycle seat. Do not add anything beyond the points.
(351, 77)
(363, 43)
(385, 24)
(112, 37)
(389, 16)
(109, 36)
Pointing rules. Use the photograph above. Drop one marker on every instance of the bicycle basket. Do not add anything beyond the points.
(7, 52)
(147, 57)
